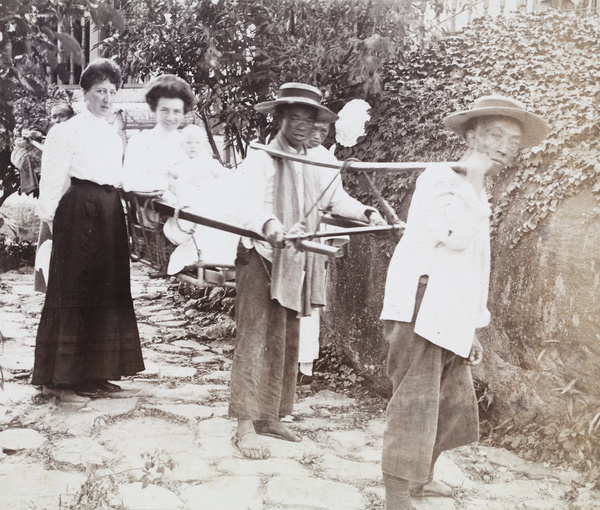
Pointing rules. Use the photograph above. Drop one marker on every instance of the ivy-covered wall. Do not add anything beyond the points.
(543, 345)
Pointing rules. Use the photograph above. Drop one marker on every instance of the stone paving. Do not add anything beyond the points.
(164, 442)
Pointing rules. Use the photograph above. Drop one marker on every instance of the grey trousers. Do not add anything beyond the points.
(265, 362)
(433, 406)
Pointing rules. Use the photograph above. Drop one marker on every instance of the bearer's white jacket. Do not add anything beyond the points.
(447, 238)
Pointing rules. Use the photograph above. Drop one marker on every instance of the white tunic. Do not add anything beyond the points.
(149, 159)
(257, 180)
(447, 238)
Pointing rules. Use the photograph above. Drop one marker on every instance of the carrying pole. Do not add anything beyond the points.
(354, 166)
(302, 243)
(374, 229)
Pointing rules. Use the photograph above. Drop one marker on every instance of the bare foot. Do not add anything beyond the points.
(436, 488)
(250, 446)
(248, 443)
(275, 428)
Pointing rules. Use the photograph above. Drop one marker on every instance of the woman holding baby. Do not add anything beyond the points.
(152, 153)
(177, 165)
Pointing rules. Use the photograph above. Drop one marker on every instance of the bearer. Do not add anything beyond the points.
(436, 295)
(276, 283)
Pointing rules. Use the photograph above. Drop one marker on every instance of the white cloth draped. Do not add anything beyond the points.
(206, 188)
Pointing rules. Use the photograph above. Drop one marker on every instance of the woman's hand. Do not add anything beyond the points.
(476, 354)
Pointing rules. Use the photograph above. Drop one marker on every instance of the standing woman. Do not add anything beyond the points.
(88, 333)
(152, 153)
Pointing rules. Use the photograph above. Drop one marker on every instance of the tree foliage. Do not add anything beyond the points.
(235, 53)
(33, 50)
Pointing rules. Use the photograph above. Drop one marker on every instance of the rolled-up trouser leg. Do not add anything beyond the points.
(397, 493)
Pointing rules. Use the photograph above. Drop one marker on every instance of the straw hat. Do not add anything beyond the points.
(534, 127)
(299, 93)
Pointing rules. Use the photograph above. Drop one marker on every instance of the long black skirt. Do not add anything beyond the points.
(88, 328)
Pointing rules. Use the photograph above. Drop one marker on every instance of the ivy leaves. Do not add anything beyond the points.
(547, 61)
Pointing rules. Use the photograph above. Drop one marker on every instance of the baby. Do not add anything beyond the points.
(202, 185)
(199, 164)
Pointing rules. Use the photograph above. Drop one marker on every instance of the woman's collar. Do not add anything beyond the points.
(86, 112)
(161, 131)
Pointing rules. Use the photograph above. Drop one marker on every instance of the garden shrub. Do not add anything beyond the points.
(15, 254)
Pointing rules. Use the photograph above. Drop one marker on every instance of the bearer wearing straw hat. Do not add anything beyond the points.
(276, 283)
(436, 297)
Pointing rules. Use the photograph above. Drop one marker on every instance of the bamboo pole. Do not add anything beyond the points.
(355, 166)
(303, 241)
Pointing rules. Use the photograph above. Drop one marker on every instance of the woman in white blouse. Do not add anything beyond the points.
(151, 154)
(88, 332)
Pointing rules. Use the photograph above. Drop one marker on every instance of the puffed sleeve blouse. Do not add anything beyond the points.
(85, 147)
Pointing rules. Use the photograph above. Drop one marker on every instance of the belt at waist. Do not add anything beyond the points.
(76, 180)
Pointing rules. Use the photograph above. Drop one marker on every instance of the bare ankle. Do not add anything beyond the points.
(244, 427)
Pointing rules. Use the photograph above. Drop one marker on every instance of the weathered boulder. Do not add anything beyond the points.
(355, 297)
(545, 310)
(543, 344)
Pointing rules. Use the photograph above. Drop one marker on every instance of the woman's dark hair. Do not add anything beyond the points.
(172, 87)
(99, 70)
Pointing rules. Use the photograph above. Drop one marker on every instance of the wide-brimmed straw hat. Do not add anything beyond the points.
(299, 93)
(534, 127)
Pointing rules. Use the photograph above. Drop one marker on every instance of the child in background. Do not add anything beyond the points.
(202, 185)
(310, 326)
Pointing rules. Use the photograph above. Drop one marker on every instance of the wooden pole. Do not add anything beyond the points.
(355, 166)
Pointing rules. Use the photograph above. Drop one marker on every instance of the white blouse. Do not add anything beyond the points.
(86, 147)
(149, 159)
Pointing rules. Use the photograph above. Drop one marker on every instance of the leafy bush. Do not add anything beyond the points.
(236, 54)
(571, 442)
(14, 255)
